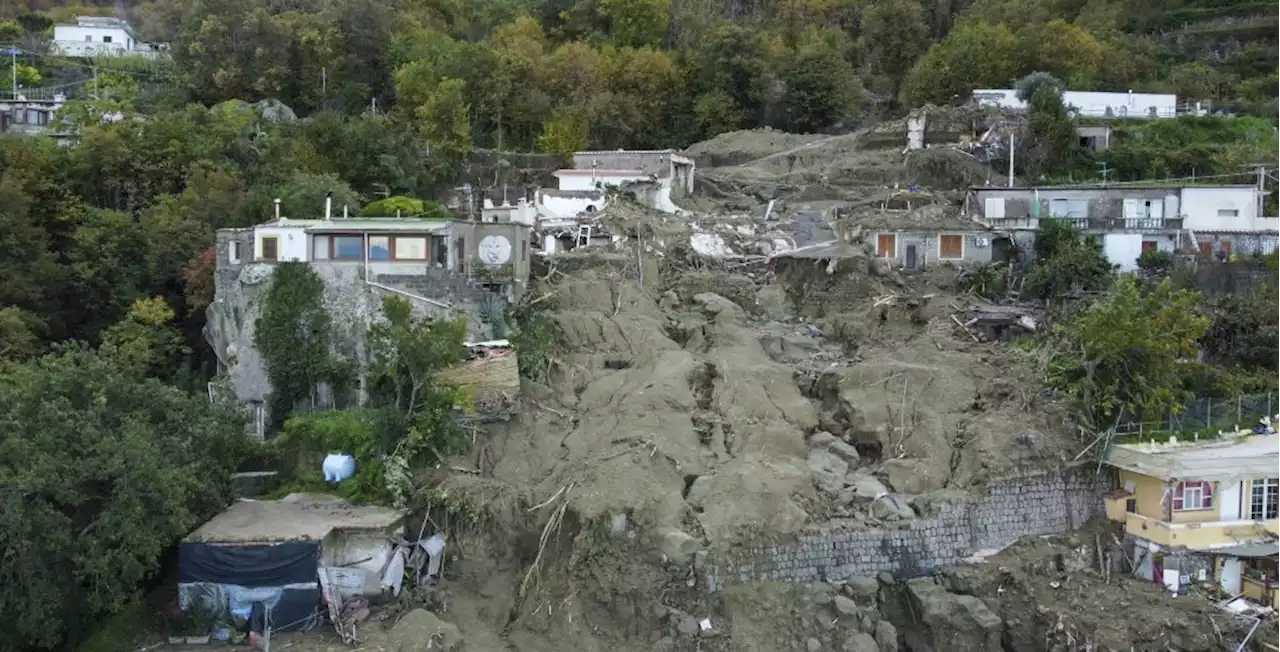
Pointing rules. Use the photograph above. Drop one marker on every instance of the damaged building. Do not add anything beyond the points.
(444, 268)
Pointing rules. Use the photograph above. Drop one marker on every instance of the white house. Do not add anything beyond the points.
(651, 175)
(94, 36)
(1090, 104)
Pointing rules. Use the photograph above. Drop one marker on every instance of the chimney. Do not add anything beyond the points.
(328, 206)
(344, 211)
(277, 202)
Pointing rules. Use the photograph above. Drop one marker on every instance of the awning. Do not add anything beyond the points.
(1260, 549)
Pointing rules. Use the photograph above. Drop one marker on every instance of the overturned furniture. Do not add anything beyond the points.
(291, 555)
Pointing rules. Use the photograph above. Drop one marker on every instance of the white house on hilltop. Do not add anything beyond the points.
(94, 36)
(1088, 104)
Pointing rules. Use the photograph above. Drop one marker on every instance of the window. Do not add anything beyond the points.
(1264, 499)
(950, 247)
(1070, 208)
(320, 247)
(1188, 496)
(440, 246)
(410, 249)
(106, 39)
(88, 38)
(1149, 245)
(886, 245)
(379, 247)
(233, 253)
(270, 248)
(347, 247)
(993, 208)
(1228, 212)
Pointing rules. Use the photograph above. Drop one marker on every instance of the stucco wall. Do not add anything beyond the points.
(927, 247)
(1030, 505)
(1202, 207)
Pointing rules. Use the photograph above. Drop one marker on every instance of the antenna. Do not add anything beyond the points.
(1105, 171)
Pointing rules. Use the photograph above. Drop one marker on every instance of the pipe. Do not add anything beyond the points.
(1010, 160)
(277, 202)
(328, 207)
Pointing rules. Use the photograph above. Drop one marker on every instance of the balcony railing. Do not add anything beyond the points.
(1197, 536)
(1095, 224)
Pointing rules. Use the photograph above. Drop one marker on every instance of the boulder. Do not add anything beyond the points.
(813, 645)
(822, 439)
(773, 302)
(420, 631)
(886, 636)
(908, 476)
(722, 309)
(891, 507)
(788, 348)
(864, 590)
(826, 441)
(845, 607)
(950, 622)
(860, 642)
(677, 546)
(828, 470)
(865, 486)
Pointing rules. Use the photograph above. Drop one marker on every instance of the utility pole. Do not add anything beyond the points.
(95, 82)
(1010, 160)
(324, 81)
(13, 52)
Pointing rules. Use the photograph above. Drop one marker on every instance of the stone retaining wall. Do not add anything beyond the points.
(1046, 503)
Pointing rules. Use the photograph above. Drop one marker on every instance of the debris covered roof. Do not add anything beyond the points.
(296, 517)
(1224, 460)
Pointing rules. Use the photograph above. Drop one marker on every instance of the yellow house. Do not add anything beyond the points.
(1195, 511)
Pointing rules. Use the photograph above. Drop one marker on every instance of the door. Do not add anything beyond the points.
(911, 257)
(1230, 578)
(1001, 250)
(1148, 245)
(1229, 501)
(1157, 567)
(886, 245)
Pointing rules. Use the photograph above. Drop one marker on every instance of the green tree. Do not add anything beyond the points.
(303, 196)
(103, 470)
(294, 338)
(821, 87)
(1066, 262)
(1242, 333)
(1054, 149)
(636, 23)
(408, 353)
(405, 207)
(20, 334)
(563, 134)
(893, 35)
(145, 340)
(1122, 355)
(974, 55)
(443, 121)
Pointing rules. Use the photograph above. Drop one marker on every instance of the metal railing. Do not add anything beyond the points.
(1109, 224)
(1206, 415)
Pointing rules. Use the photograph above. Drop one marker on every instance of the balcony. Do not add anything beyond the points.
(1094, 224)
(1197, 536)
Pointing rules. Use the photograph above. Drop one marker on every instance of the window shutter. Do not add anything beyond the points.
(1207, 502)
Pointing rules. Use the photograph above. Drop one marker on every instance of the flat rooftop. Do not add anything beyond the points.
(339, 224)
(1225, 460)
(296, 517)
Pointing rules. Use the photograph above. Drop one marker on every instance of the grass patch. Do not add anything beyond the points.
(124, 630)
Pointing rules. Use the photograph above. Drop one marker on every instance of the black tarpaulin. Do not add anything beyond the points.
(293, 562)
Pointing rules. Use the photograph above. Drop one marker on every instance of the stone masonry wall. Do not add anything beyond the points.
(1030, 505)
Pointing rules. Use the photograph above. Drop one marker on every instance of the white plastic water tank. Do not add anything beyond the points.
(339, 467)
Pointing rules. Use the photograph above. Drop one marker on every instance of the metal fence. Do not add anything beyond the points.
(1208, 414)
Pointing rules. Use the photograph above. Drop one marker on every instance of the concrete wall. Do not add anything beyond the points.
(975, 247)
(74, 35)
(1220, 209)
(292, 244)
(584, 180)
(656, 162)
(1101, 203)
(1031, 505)
(569, 203)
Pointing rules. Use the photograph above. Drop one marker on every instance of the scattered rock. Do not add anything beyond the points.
(687, 626)
(828, 470)
(860, 642)
(881, 267)
(908, 476)
(678, 546)
(885, 579)
(669, 301)
(956, 623)
(886, 636)
(420, 630)
(844, 451)
(813, 645)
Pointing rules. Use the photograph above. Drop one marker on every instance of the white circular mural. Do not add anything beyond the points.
(495, 250)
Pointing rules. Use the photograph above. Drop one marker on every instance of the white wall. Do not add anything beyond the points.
(1201, 207)
(1123, 249)
(292, 242)
(1133, 105)
(76, 35)
(588, 182)
(552, 206)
